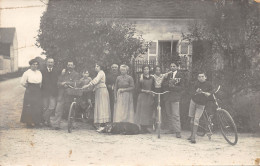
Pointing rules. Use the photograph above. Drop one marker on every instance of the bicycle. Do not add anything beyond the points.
(78, 92)
(225, 123)
(159, 120)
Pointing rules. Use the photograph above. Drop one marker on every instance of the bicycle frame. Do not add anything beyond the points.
(159, 122)
(208, 117)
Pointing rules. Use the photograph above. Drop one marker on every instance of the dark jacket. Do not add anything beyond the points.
(198, 98)
(111, 80)
(50, 82)
(176, 88)
(71, 78)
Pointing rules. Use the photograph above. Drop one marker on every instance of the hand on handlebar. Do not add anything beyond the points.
(199, 91)
(121, 90)
(85, 87)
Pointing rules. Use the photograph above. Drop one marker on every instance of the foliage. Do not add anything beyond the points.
(232, 30)
(88, 32)
(231, 55)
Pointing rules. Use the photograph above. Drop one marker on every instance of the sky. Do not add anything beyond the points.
(25, 16)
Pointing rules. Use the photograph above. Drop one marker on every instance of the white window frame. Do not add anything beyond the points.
(189, 48)
(156, 54)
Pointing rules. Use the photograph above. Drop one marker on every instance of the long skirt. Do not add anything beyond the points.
(32, 105)
(102, 113)
(124, 108)
(144, 109)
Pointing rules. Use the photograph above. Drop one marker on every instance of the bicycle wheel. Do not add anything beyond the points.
(202, 129)
(227, 126)
(71, 116)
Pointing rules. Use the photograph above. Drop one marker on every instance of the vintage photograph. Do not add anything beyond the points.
(129, 82)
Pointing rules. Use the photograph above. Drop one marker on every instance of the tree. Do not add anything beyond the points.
(88, 32)
(231, 29)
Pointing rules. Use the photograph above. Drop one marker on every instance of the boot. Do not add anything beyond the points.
(191, 130)
(178, 135)
(193, 137)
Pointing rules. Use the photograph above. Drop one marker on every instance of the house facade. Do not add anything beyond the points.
(162, 24)
(8, 50)
(165, 39)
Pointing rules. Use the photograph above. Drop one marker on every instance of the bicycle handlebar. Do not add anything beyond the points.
(148, 91)
(74, 87)
(217, 89)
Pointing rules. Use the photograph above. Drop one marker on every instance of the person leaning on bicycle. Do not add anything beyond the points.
(201, 91)
(68, 77)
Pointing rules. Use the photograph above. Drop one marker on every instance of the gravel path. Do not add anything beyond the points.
(22, 146)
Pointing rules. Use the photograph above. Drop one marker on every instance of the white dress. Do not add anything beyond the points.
(102, 113)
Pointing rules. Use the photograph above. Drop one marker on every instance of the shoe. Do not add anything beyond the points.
(178, 135)
(169, 132)
(193, 141)
(100, 129)
(29, 126)
(49, 125)
(191, 129)
(57, 128)
(193, 137)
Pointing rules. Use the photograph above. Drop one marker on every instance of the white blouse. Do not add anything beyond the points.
(100, 78)
(31, 76)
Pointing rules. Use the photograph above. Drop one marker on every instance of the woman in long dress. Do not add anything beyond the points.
(144, 108)
(123, 91)
(102, 113)
(32, 103)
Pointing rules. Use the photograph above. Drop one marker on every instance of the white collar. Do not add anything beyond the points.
(174, 74)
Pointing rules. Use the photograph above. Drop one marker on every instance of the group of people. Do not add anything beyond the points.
(47, 94)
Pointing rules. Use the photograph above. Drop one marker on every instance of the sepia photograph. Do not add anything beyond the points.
(129, 82)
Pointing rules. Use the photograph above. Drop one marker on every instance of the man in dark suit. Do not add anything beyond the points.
(110, 82)
(49, 89)
(175, 84)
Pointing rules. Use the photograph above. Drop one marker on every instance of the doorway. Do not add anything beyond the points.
(167, 50)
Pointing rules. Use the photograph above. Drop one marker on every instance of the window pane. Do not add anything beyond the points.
(152, 48)
(184, 48)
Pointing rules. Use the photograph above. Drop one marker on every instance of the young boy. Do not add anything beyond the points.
(85, 99)
(200, 95)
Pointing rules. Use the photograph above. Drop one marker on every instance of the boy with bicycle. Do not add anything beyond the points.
(200, 96)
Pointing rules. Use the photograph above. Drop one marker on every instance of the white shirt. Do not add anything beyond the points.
(49, 69)
(100, 78)
(174, 74)
(31, 77)
(158, 80)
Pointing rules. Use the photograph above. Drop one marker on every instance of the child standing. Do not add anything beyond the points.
(200, 96)
(158, 79)
(85, 99)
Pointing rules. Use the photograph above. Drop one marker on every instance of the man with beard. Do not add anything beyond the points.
(111, 79)
(69, 77)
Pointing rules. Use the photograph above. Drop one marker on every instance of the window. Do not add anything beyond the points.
(184, 48)
(152, 48)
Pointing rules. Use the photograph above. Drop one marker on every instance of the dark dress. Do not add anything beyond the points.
(145, 101)
(32, 104)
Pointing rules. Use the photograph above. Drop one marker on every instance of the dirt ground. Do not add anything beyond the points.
(22, 146)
